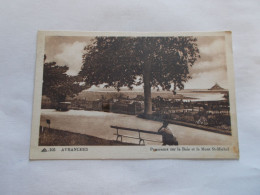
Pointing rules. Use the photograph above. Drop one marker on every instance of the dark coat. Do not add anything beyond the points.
(167, 137)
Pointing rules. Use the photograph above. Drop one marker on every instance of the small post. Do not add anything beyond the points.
(116, 134)
(140, 139)
(41, 128)
(48, 121)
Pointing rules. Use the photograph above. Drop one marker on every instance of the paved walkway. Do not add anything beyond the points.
(97, 124)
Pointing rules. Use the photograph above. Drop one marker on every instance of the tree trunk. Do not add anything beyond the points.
(147, 90)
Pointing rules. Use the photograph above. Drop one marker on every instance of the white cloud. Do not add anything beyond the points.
(215, 48)
(206, 81)
(217, 63)
(211, 68)
(71, 56)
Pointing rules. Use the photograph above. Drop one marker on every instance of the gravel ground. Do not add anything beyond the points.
(97, 124)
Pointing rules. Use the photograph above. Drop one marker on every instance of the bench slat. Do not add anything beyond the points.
(136, 130)
(137, 138)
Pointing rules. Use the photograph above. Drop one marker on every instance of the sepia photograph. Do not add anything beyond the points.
(130, 97)
(162, 92)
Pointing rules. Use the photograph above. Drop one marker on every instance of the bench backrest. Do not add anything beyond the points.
(135, 130)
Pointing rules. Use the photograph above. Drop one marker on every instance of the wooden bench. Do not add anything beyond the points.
(139, 131)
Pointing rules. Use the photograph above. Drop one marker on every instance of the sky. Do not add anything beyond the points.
(208, 70)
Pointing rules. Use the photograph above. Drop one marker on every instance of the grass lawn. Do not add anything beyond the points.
(53, 137)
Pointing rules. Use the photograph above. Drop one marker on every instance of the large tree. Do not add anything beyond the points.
(57, 85)
(152, 61)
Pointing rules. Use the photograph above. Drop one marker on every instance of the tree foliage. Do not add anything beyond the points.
(118, 61)
(127, 61)
(57, 85)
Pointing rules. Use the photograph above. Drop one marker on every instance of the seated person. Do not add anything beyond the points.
(167, 135)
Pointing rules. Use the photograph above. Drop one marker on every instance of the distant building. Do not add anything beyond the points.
(87, 105)
(216, 87)
(126, 107)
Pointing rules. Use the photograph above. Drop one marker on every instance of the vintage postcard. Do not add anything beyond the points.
(121, 95)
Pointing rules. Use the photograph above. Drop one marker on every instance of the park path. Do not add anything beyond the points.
(95, 123)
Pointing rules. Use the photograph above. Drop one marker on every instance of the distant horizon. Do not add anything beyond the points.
(191, 94)
(140, 89)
